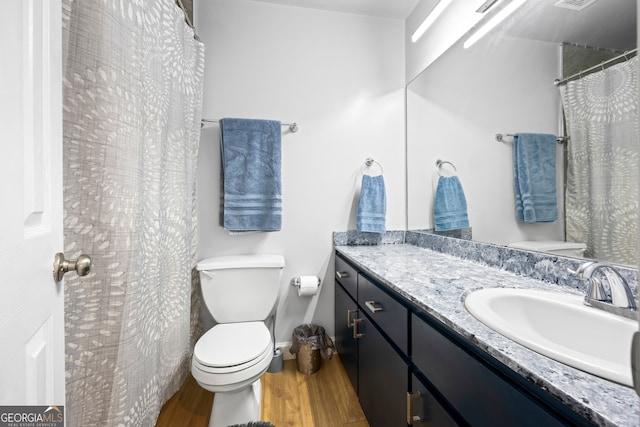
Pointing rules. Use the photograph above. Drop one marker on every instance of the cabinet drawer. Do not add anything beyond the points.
(385, 311)
(479, 395)
(347, 276)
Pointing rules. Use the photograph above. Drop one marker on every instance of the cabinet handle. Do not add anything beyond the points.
(373, 306)
(342, 274)
(356, 334)
(350, 313)
(413, 419)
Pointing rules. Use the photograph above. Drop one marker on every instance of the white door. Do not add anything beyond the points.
(31, 303)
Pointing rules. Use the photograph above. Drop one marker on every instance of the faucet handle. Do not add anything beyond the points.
(582, 269)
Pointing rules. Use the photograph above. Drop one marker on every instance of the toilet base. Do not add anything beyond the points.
(240, 407)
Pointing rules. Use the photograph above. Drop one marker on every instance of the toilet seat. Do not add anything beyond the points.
(231, 347)
(232, 355)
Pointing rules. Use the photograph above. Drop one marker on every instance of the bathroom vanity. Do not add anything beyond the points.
(414, 354)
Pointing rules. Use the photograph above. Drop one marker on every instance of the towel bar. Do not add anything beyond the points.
(368, 162)
(293, 127)
(500, 137)
(439, 164)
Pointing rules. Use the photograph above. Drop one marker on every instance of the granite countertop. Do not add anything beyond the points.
(438, 283)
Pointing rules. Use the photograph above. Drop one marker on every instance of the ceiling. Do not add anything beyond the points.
(605, 23)
(394, 9)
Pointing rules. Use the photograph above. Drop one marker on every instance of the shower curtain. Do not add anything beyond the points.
(133, 76)
(601, 112)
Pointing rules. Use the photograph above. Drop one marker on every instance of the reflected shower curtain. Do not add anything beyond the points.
(133, 77)
(601, 111)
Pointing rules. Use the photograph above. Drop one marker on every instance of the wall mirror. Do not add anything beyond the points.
(504, 84)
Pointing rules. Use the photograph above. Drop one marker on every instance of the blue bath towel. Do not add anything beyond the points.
(372, 207)
(534, 173)
(450, 205)
(251, 163)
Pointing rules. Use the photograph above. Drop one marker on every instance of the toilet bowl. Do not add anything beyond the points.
(240, 292)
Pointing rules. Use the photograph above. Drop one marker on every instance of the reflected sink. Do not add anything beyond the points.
(561, 327)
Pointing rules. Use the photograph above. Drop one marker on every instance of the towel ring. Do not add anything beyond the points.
(439, 164)
(368, 163)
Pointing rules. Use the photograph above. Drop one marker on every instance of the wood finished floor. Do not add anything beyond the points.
(290, 399)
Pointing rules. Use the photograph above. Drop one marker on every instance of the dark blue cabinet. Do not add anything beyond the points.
(482, 390)
(369, 324)
(382, 378)
(424, 405)
(346, 310)
(399, 357)
(478, 394)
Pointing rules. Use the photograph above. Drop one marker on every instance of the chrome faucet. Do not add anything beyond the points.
(621, 300)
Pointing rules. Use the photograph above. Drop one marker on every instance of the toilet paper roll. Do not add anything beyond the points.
(308, 286)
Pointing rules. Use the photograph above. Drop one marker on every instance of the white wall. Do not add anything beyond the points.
(455, 108)
(341, 78)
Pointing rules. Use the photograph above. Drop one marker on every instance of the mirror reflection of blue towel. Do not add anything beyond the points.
(450, 205)
(534, 175)
(372, 207)
(251, 165)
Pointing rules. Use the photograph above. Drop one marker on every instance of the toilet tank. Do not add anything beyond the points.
(569, 249)
(240, 288)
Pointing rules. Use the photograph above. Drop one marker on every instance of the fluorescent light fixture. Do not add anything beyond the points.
(430, 19)
(498, 18)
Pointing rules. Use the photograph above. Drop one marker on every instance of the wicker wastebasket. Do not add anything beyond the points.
(309, 343)
(308, 359)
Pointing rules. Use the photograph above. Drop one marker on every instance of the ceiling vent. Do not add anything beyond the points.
(486, 6)
(576, 5)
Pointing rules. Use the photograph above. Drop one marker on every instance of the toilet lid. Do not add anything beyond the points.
(229, 344)
(547, 245)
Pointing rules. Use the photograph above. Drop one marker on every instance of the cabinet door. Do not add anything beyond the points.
(347, 346)
(480, 396)
(425, 406)
(382, 377)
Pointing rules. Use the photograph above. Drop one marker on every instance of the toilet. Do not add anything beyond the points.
(241, 292)
(557, 247)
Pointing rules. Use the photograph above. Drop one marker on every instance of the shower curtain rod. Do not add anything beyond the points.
(564, 81)
(187, 19)
(293, 127)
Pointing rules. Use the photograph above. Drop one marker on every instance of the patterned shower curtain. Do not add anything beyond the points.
(132, 107)
(601, 111)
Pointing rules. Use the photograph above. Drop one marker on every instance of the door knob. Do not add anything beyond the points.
(82, 266)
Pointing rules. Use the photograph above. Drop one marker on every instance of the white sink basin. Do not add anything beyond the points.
(561, 327)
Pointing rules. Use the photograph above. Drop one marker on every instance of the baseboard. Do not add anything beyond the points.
(286, 345)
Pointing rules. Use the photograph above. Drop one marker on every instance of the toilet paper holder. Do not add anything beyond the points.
(295, 281)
